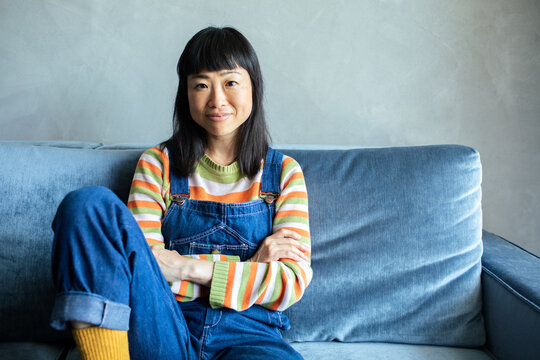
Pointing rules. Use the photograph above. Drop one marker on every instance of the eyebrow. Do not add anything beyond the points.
(224, 73)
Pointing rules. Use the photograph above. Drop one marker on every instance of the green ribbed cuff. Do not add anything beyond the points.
(218, 286)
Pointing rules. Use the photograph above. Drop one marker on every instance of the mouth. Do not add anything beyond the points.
(218, 117)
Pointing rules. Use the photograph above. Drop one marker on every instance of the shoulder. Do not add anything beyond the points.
(289, 162)
(291, 172)
(284, 161)
(156, 155)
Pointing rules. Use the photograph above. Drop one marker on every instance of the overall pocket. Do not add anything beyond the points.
(201, 227)
(218, 239)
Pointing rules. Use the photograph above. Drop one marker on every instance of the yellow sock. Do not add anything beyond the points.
(96, 343)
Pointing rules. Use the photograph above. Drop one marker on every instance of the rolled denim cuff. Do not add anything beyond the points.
(90, 308)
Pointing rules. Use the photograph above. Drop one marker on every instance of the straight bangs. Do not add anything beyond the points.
(215, 50)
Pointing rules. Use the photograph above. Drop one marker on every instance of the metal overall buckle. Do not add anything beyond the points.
(269, 197)
(180, 199)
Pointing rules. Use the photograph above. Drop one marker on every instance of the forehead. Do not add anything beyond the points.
(205, 74)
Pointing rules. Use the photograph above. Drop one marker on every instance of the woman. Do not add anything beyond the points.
(225, 217)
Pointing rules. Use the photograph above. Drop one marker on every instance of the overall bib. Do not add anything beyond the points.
(106, 274)
(207, 227)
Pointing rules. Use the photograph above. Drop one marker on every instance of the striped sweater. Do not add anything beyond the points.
(235, 285)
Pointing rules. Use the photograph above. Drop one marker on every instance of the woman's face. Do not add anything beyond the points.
(220, 101)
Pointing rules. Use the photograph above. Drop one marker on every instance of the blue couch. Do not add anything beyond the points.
(402, 268)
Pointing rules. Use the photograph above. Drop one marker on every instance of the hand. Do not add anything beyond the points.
(283, 244)
(169, 262)
(176, 267)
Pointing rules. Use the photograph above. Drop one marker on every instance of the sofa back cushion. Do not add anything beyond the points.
(33, 182)
(396, 236)
(396, 246)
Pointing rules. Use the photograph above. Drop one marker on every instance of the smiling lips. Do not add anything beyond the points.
(218, 117)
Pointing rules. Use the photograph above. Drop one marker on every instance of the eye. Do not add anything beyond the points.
(200, 86)
(231, 83)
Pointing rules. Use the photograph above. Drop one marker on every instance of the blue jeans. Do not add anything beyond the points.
(105, 274)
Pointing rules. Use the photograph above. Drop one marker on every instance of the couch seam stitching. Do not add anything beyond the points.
(511, 290)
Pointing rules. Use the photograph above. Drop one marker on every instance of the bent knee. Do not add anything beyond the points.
(90, 194)
(86, 198)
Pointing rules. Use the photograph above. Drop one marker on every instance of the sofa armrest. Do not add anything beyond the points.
(511, 299)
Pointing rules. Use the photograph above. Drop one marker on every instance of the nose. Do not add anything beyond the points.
(217, 98)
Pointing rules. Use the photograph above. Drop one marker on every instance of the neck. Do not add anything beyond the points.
(222, 152)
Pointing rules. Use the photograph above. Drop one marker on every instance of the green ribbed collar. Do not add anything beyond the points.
(209, 165)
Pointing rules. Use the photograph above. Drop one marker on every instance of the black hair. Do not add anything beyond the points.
(214, 49)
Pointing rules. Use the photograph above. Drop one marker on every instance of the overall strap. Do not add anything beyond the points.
(179, 186)
(271, 175)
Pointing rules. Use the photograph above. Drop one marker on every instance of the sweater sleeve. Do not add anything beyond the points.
(148, 201)
(279, 284)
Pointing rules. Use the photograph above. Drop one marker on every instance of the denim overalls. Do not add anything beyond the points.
(106, 275)
(204, 227)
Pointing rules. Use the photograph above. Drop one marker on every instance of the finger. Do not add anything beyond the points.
(289, 233)
(288, 251)
(294, 256)
(303, 246)
(295, 243)
(302, 255)
(280, 246)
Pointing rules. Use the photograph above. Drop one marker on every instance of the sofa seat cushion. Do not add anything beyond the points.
(384, 351)
(309, 350)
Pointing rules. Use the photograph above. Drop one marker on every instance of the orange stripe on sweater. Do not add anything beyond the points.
(302, 273)
(153, 242)
(297, 288)
(249, 286)
(266, 283)
(199, 193)
(228, 286)
(293, 194)
(143, 204)
(279, 300)
(164, 174)
(149, 224)
(183, 288)
(295, 176)
(146, 185)
(287, 213)
(166, 177)
(151, 167)
(286, 161)
(300, 232)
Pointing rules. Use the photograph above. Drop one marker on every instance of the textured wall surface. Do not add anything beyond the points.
(359, 73)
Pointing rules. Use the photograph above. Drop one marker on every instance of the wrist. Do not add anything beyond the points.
(197, 271)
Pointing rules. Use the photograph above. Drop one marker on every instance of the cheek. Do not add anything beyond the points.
(248, 102)
(194, 104)
(248, 106)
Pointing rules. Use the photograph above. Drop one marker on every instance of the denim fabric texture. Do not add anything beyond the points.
(106, 275)
(396, 240)
(200, 227)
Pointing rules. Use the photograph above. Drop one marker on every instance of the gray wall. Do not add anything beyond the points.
(367, 73)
